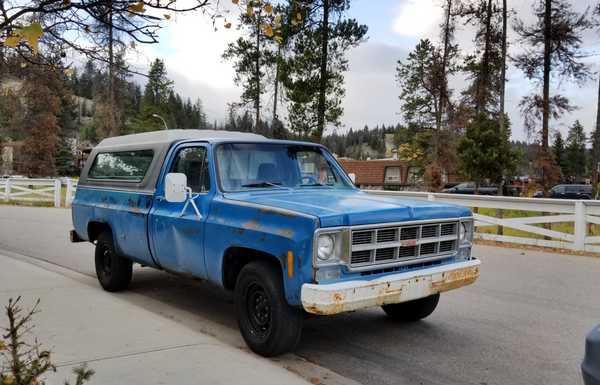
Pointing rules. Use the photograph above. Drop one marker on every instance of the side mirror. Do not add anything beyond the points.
(176, 187)
(352, 177)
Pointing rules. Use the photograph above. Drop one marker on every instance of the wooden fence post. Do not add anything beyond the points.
(57, 191)
(580, 226)
(7, 190)
(69, 194)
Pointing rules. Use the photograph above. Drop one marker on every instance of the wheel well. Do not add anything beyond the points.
(237, 257)
(95, 229)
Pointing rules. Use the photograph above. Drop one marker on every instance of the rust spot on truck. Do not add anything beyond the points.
(287, 233)
(455, 279)
(276, 211)
(251, 225)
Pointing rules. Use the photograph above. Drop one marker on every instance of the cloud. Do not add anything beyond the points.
(416, 18)
(191, 50)
(371, 90)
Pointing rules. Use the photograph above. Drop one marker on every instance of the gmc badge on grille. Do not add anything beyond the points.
(409, 242)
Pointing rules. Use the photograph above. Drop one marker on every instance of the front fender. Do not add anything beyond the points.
(269, 230)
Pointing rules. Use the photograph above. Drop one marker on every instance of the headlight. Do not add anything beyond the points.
(463, 231)
(325, 247)
(331, 247)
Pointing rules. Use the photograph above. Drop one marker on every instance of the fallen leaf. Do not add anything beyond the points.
(168, 17)
(235, 1)
(227, 25)
(268, 8)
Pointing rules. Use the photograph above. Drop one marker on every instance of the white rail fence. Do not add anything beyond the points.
(567, 223)
(47, 191)
(574, 218)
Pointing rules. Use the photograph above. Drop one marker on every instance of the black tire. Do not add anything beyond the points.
(412, 311)
(269, 325)
(113, 271)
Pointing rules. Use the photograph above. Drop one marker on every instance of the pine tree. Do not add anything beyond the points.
(558, 150)
(417, 79)
(484, 66)
(154, 100)
(575, 160)
(552, 47)
(485, 151)
(313, 75)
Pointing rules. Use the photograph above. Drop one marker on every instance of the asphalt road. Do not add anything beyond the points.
(523, 322)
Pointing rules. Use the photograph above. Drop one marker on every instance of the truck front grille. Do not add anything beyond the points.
(400, 244)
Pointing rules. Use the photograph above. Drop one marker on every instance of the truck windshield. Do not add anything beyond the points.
(246, 166)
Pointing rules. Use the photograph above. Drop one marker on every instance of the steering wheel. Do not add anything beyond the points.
(309, 179)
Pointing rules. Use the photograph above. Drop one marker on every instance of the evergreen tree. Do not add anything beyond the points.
(552, 47)
(154, 100)
(253, 55)
(485, 151)
(558, 150)
(575, 160)
(417, 77)
(313, 75)
(484, 66)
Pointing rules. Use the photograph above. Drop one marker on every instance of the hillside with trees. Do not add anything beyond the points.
(290, 62)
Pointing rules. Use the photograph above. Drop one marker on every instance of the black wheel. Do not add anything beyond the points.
(113, 271)
(412, 310)
(268, 324)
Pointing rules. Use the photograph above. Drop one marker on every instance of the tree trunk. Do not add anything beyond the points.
(443, 82)
(257, 73)
(547, 67)
(276, 86)
(484, 83)
(503, 69)
(596, 144)
(112, 126)
(323, 72)
(500, 212)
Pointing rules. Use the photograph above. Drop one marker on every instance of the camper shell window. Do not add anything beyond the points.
(130, 166)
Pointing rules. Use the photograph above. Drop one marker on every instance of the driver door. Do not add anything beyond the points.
(177, 236)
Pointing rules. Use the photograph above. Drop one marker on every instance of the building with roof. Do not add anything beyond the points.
(382, 174)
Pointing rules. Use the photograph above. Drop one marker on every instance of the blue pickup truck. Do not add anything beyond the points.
(278, 223)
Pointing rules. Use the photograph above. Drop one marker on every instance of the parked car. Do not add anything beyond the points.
(568, 191)
(469, 188)
(278, 223)
(591, 362)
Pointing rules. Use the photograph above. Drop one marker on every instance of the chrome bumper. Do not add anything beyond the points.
(396, 288)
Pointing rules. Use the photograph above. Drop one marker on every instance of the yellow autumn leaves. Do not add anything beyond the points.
(409, 153)
(270, 30)
(31, 34)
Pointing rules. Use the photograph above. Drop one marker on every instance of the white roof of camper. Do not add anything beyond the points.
(169, 136)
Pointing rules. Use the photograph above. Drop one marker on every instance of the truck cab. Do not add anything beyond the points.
(278, 223)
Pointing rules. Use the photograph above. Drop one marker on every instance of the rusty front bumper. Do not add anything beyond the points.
(402, 287)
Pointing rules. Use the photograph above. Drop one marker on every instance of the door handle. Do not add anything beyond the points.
(160, 198)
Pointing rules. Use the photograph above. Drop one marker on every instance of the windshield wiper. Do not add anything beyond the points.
(266, 184)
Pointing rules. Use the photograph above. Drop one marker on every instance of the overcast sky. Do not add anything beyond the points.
(192, 52)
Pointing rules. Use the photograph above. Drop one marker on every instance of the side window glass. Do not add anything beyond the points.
(193, 162)
(125, 165)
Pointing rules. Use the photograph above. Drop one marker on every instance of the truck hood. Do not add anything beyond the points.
(351, 207)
